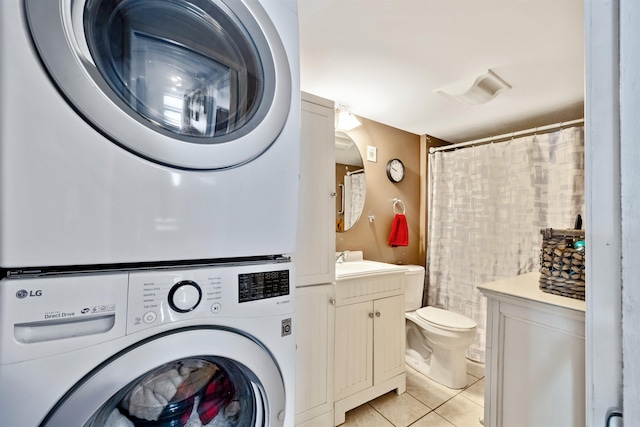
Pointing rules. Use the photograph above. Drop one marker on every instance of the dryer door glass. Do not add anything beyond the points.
(192, 84)
(189, 67)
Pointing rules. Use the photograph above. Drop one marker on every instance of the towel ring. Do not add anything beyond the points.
(395, 203)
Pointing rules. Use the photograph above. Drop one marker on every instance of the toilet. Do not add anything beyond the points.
(437, 339)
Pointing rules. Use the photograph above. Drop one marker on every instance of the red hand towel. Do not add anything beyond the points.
(399, 235)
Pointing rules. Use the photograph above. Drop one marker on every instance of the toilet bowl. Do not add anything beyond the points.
(437, 339)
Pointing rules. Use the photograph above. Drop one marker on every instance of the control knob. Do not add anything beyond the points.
(185, 296)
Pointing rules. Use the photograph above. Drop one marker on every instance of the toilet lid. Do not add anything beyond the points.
(445, 318)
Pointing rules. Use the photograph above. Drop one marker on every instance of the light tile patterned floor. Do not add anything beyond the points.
(425, 404)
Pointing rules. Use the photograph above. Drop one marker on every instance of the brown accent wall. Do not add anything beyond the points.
(371, 236)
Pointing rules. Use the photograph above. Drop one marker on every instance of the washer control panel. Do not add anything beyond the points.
(262, 285)
(158, 297)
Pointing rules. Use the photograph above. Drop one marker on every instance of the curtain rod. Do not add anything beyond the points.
(506, 136)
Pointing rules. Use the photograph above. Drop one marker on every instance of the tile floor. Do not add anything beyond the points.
(426, 403)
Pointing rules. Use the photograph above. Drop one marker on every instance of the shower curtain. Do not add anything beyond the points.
(487, 205)
(354, 188)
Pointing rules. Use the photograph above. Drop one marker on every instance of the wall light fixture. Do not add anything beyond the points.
(345, 120)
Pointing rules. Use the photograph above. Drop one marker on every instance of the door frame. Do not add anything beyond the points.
(630, 198)
(612, 154)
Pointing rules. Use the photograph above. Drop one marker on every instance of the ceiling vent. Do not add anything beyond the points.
(485, 87)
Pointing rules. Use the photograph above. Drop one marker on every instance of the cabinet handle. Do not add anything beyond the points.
(377, 314)
(371, 315)
(332, 301)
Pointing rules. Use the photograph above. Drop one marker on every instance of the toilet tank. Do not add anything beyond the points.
(415, 287)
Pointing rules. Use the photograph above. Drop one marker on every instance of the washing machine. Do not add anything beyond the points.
(146, 131)
(201, 346)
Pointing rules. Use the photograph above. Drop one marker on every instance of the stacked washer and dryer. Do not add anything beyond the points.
(148, 203)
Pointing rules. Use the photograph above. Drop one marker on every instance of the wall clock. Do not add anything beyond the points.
(395, 170)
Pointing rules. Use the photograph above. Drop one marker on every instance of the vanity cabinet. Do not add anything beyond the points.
(369, 339)
(535, 365)
(315, 266)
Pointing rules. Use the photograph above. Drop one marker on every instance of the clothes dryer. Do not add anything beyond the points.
(145, 131)
(206, 346)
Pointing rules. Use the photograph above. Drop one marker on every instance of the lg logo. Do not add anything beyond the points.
(22, 293)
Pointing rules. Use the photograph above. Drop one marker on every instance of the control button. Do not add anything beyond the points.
(184, 296)
(216, 307)
(286, 327)
(149, 317)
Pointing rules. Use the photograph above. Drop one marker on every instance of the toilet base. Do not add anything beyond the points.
(414, 360)
(437, 352)
(447, 367)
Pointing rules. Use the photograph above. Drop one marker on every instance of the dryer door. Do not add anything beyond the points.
(194, 84)
(204, 377)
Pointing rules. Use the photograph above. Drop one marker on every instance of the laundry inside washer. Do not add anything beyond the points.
(194, 391)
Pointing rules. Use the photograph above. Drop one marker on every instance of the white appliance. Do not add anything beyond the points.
(144, 131)
(210, 346)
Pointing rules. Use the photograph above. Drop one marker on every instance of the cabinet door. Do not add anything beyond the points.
(541, 368)
(316, 241)
(354, 348)
(314, 352)
(388, 338)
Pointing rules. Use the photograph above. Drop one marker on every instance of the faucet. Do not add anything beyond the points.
(342, 257)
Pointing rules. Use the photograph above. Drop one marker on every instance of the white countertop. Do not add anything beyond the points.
(526, 287)
(350, 269)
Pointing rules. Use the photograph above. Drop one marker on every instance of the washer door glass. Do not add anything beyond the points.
(199, 391)
(195, 84)
(194, 377)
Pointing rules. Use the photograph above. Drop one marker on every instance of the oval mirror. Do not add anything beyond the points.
(351, 186)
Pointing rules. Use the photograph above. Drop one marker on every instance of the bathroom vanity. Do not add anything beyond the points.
(535, 367)
(369, 333)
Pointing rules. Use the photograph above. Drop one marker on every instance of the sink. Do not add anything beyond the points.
(351, 269)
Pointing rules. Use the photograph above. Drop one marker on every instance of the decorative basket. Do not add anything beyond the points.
(562, 259)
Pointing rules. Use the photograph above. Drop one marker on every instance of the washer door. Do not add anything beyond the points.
(203, 377)
(194, 84)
